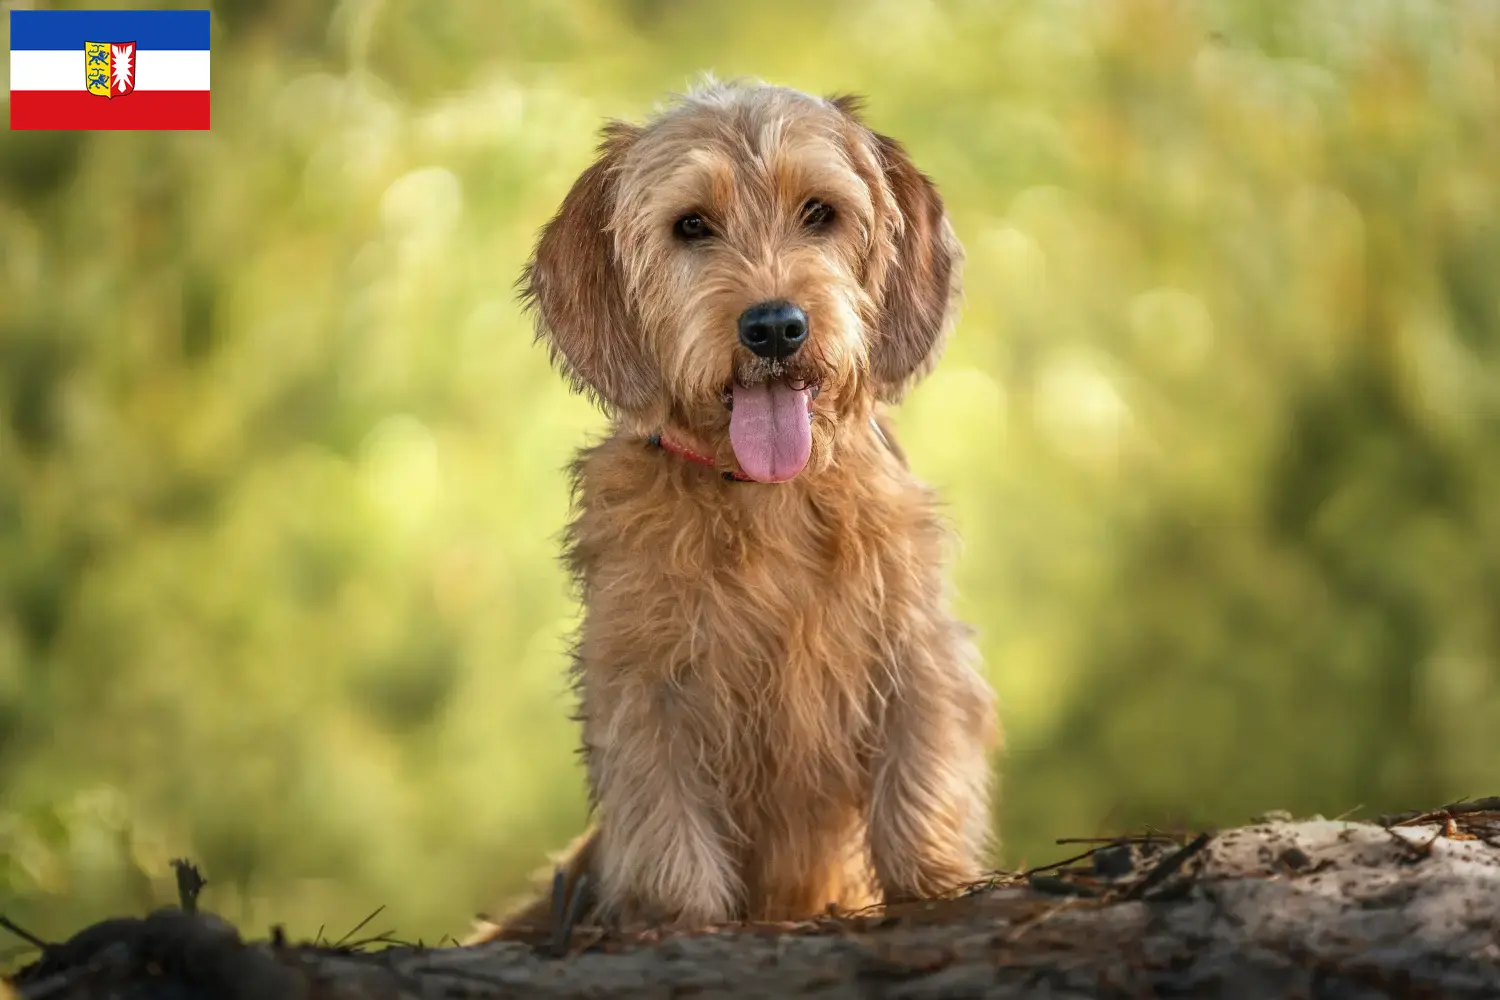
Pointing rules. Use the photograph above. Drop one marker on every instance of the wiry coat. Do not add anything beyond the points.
(779, 712)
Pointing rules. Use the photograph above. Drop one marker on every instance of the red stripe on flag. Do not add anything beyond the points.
(78, 109)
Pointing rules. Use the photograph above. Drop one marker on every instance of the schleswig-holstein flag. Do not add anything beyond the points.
(109, 69)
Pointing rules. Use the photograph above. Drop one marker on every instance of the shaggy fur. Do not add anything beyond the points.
(779, 711)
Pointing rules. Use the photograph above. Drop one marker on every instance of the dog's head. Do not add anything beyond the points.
(755, 266)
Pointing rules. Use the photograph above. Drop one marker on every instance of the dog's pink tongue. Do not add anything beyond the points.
(770, 430)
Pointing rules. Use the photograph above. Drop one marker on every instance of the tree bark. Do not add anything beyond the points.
(1406, 908)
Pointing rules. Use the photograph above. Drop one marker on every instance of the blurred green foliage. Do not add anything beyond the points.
(280, 470)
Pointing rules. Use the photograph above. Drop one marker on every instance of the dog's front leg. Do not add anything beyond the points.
(663, 857)
(929, 810)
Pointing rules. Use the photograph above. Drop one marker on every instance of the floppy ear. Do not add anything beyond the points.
(572, 284)
(921, 282)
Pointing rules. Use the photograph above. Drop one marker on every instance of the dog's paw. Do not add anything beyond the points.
(682, 879)
(908, 876)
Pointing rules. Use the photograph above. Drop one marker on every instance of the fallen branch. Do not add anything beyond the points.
(1313, 908)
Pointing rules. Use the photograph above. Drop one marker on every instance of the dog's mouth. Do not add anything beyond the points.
(770, 420)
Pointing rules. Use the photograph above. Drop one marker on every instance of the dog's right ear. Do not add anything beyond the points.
(573, 285)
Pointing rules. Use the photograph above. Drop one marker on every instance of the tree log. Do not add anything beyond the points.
(1409, 907)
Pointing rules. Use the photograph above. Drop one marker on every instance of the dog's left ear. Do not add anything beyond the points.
(920, 285)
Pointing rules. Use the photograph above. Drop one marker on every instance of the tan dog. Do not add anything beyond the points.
(779, 711)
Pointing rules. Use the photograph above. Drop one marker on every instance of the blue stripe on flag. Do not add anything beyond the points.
(55, 30)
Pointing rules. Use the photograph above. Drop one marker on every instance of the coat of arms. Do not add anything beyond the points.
(109, 68)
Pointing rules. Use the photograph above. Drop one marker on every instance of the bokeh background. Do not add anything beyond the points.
(281, 471)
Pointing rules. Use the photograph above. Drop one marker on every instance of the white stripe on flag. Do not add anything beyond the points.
(156, 69)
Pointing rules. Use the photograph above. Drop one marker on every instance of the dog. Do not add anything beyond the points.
(781, 716)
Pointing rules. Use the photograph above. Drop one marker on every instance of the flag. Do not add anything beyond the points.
(109, 69)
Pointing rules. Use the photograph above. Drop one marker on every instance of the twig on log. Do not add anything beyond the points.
(565, 918)
(384, 937)
(23, 933)
(1059, 864)
(190, 883)
(1416, 852)
(1462, 807)
(1168, 867)
(359, 926)
(1129, 838)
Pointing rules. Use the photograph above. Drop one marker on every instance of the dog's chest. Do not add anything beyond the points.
(767, 626)
(749, 586)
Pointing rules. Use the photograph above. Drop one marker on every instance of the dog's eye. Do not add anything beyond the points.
(817, 214)
(691, 227)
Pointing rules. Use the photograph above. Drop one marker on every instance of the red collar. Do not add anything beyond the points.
(682, 451)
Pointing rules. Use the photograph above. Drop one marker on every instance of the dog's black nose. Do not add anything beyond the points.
(773, 329)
